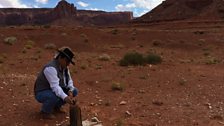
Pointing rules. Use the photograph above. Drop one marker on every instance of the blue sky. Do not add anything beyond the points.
(138, 7)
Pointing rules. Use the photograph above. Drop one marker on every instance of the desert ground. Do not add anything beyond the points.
(186, 89)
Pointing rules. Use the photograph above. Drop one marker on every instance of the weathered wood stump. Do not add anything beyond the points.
(75, 115)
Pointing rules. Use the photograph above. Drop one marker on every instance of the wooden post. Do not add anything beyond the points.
(75, 115)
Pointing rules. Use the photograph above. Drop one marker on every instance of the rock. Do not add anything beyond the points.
(64, 13)
(158, 103)
(64, 9)
(128, 113)
(95, 119)
(123, 103)
(89, 123)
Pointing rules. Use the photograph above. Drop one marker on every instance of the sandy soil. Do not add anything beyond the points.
(185, 90)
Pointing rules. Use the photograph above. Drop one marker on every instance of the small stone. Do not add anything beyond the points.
(159, 103)
(128, 113)
(123, 103)
(95, 119)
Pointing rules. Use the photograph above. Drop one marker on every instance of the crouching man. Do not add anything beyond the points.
(54, 86)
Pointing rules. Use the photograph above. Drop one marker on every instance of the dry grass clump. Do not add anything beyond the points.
(29, 44)
(84, 37)
(50, 46)
(10, 40)
(117, 86)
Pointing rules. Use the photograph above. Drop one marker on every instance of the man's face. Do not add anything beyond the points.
(65, 62)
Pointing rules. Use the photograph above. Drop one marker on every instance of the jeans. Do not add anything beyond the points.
(50, 101)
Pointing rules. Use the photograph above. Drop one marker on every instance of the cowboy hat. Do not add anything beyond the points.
(67, 52)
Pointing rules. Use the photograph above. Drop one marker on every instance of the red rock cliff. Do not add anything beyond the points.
(63, 11)
(171, 10)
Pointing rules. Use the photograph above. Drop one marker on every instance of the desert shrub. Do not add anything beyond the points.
(119, 122)
(83, 66)
(199, 32)
(182, 81)
(50, 46)
(117, 86)
(133, 58)
(84, 37)
(10, 40)
(133, 38)
(64, 34)
(206, 53)
(29, 44)
(153, 59)
(98, 66)
(211, 61)
(114, 31)
(156, 42)
(47, 26)
(24, 50)
(104, 57)
(136, 58)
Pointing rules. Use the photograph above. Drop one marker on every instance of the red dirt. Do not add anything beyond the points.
(182, 91)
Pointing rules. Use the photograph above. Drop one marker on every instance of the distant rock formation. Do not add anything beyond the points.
(64, 13)
(64, 9)
(171, 10)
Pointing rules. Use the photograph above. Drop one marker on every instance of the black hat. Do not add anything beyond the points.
(68, 53)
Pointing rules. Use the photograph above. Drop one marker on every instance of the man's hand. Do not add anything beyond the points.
(68, 100)
(70, 93)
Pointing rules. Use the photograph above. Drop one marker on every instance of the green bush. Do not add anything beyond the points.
(153, 59)
(133, 58)
(136, 58)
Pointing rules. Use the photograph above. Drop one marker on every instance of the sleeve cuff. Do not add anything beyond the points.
(72, 89)
(64, 96)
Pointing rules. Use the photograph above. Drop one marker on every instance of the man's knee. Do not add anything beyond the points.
(52, 98)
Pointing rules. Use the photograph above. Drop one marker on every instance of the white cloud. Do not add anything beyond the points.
(42, 1)
(147, 4)
(82, 4)
(95, 9)
(143, 5)
(12, 3)
(126, 7)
